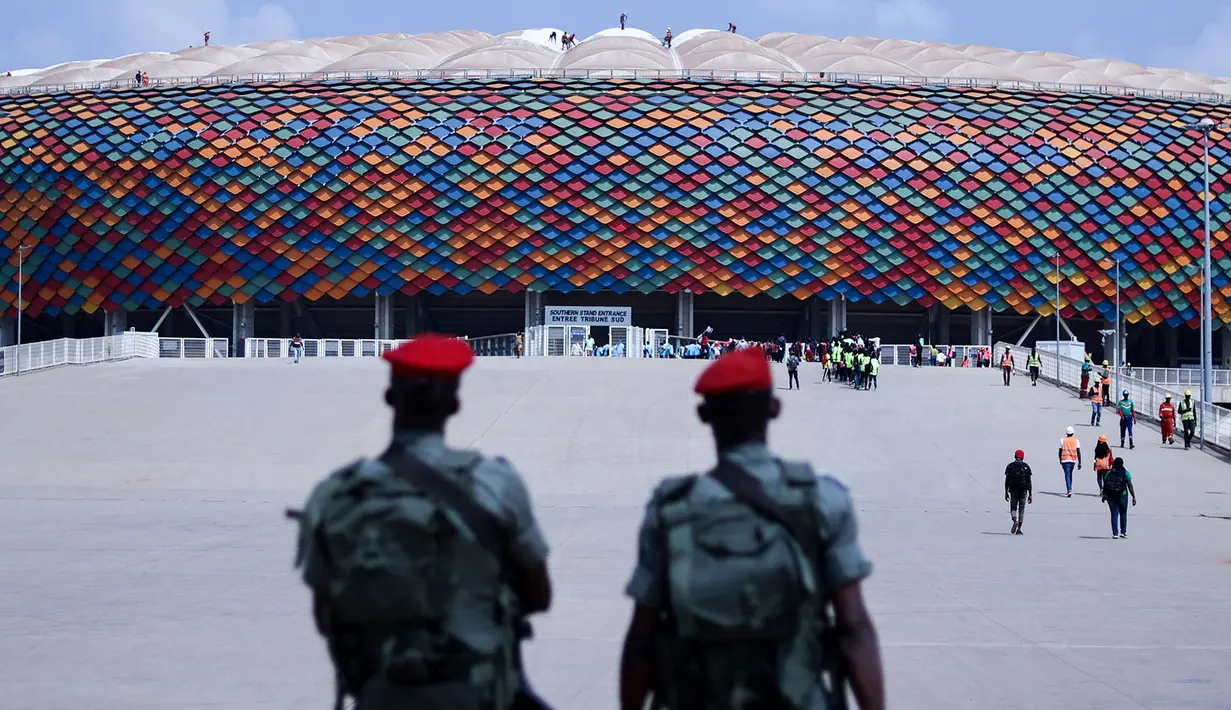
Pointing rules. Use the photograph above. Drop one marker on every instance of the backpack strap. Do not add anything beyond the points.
(487, 529)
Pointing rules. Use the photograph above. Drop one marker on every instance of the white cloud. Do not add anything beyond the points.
(102, 30)
(898, 19)
(1209, 52)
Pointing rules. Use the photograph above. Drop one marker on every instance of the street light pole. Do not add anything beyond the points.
(21, 253)
(1117, 354)
(1058, 317)
(1206, 126)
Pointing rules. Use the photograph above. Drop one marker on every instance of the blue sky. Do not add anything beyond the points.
(34, 34)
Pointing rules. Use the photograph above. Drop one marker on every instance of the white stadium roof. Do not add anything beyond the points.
(626, 53)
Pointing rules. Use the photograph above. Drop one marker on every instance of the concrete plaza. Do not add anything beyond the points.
(145, 561)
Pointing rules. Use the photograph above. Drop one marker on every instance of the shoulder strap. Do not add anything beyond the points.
(487, 528)
(748, 491)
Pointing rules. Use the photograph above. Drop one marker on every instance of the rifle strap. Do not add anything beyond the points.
(487, 529)
(748, 491)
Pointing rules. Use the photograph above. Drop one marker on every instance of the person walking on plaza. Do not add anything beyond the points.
(1006, 365)
(1032, 363)
(424, 562)
(1070, 456)
(1166, 417)
(297, 347)
(1102, 459)
(874, 368)
(792, 371)
(517, 345)
(1105, 378)
(1096, 405)
(1117, 487)
(1188, 417)
(1017, 490)
(1086, 367)
(1128, 417)
(746, 562)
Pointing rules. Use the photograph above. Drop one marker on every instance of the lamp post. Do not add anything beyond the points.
(21, 254)
(1117, 355)
(1206, 126)
(1058, 317)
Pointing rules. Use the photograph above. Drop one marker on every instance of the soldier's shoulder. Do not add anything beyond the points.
(672, 488)
(832, 493)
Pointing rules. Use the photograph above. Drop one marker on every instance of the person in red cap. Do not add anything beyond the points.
(425, 561)
(736, 564)
(1018, 490)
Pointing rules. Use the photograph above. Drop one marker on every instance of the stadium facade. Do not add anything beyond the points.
(461, 181)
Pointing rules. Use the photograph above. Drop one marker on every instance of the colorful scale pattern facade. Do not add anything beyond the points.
(150, 196)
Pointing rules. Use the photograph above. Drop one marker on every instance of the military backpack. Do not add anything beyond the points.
(406, 571)
(745, 616)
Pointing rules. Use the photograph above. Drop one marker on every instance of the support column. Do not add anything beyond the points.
(8, 331)
(816, 324)
(837, 316)
(978, 326)
(683, 314)
(1112, 354)
(384, 318)
(534, 308)
(243, 322)
(115, 322)
(285, 320)
(942, 324)
(1171, 342)
(413, 304)
(1224, 337)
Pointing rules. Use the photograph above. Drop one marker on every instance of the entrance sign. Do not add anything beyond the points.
(588, 315)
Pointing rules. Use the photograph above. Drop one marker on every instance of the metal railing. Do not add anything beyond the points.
(735, 76)
(1180, 376)
(193, 348)
(323, 347)
(504, 345)
(900, 354)
(1146, 396)
(29, 357)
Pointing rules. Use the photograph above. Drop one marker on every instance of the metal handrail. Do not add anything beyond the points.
(625, 74)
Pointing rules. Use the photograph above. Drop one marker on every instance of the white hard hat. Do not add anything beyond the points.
(1069, 431)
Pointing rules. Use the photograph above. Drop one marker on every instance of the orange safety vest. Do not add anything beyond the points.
(1096, 396)
(1006, 360)
(1106, 379)
(1068, 448)
(1103, 464)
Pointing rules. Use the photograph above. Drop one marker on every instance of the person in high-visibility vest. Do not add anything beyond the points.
(1032, 364)
(1006, 365)
(1188, 417)
(1096, 405)
(1070, 456)
(1166, 416)
(1102, 459)
(875, 368)
(1086, 367)
(1106, 379)
(1128, 417)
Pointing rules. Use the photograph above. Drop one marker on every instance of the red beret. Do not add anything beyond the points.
(1019, 454)
(744, 370)
(430, 355)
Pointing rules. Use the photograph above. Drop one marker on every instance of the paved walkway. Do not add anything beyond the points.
(145, 563)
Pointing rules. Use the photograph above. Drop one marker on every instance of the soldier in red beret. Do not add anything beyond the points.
(757, 559)
(425, 561)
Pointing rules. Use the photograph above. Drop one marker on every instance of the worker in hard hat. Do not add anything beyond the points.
(1105, 377)
(1166, 415)
(1006, 365)
(1102, 459)
(1070, 456)
(1128, 417)
(1096, 405)
(1188, 417)
(1086, 367)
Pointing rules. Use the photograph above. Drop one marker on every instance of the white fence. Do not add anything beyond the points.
(718, 75)
(1179, 376)
(17, 359)
(193, 348)
(324, 347)
(1147, 396)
